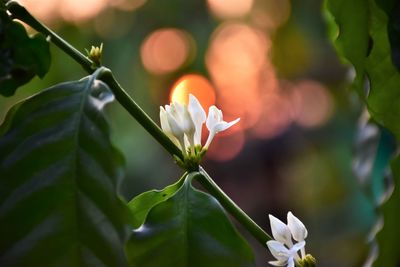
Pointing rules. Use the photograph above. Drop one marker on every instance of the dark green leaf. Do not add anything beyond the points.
(190, 228)
(143, 203)
(388, 237)
(363, 40)
(59, 176)
(349, 30)
(394, 33)
(21, 57)
(383, 75)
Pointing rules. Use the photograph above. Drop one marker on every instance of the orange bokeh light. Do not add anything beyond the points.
(237, 62)
(276, 116)
(45, 10)
(77, 10)
(165, 50)
(230, 8)
(196, 85)
(313, 104)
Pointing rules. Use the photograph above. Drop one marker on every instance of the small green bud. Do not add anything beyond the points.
(308, 261)
(95, 55)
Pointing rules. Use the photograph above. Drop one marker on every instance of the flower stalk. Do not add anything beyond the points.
(216, 123)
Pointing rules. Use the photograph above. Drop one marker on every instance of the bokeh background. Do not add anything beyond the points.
(269, 62)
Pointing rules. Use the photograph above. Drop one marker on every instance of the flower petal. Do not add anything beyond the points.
(165, 126)
(278, 250)
(297, 228)
(296, 247)
(214, 117)
(187, 122)
(176, 129)
(164, 121)
(277, 263)
(280, 231)
(198, 116)
(223, 125)
(290, 262)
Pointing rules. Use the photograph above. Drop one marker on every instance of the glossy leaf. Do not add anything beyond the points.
(190, 228)
(388, 237)
(348, 21)
(21, 57)
(364, 41)
(59, 176)
(377, 21)
(143, 203)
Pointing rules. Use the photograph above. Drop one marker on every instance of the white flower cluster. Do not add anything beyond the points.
(183, 125)
(282, 248)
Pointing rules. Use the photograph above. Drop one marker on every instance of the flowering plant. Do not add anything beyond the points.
(183, 125)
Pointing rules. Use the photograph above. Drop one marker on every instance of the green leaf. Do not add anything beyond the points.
(59, 176)
(190, 228)
(348, 22)
(388, 237)
(383, 75)
(364, 41)
(21, 57)
(143, 203)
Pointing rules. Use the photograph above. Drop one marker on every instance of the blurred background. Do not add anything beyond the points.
(268, 62)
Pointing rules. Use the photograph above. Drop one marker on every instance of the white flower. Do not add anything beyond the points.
(198, 116)
(298, 230)
(282, 248)
(177, 123)
(183, 124)
(280, 231)
(283, 254)
(216, 124)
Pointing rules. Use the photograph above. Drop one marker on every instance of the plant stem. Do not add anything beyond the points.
(19, 12)
(134, 109)
(106, 76)
(255, 230)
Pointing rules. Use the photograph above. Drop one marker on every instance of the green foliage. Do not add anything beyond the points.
(187, 228)
(363, 40)
(21, 57)
(350, 34)
(59, 176)
(143, 203)
(369, 39)
(388, 237)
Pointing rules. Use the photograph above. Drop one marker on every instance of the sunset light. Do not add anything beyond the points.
(196, 85)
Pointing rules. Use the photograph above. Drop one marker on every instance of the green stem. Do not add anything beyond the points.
(104, 74)
(251, 226)
(19, 12)
(130, 105)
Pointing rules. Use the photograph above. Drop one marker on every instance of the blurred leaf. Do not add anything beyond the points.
(389, 251)
(59, 176)
(373, 149)
(348, 22)
(370, 57)
(21, 57)
(394, 33)
(188, 229)
(384, 76)
(143, 203)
